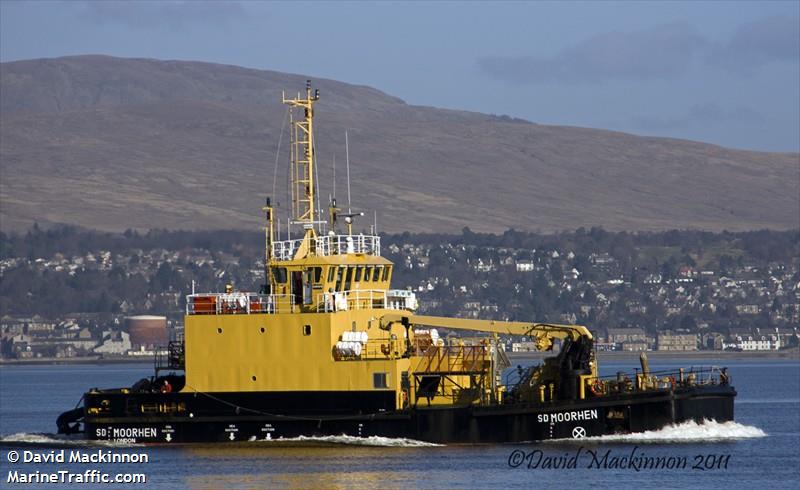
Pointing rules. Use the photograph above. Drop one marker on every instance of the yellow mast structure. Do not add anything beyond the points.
(303, 159)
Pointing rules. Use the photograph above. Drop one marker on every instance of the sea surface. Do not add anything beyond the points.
(761, 449)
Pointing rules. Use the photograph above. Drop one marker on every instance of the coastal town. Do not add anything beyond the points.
(128, 300)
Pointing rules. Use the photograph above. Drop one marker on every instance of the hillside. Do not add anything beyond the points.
(113, 143)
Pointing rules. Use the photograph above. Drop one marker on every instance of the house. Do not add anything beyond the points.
(754, 342)
(631, 339)
(114, 342)
(525, 266)
(668, 340)
(748, 309)
(712, 341)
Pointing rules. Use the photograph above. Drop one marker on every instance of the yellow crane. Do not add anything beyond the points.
(570, 372)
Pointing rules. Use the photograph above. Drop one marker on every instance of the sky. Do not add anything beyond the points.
(720, 72)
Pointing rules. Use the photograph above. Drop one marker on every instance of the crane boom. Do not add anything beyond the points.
(544, 333)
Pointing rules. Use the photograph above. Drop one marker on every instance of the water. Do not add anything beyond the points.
(761, 448)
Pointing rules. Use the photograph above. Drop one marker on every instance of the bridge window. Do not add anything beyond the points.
(331, 273)
(376, 275)
(279, 273)
(317, 274)
(359, 270)
(339, 273)
(379, 380)
(386, 273)
(368, 273)
(348, 278)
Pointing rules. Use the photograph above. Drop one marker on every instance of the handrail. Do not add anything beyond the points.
(329, 245)
(454, 358)
(352, 299)
(666, 379)
(238, 303)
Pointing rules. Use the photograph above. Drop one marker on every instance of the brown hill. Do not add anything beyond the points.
(114, 143)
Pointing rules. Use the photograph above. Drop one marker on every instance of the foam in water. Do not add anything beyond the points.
(685, 432)
(41, 439)
(377, 441)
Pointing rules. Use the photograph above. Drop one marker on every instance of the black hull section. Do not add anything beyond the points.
(222, 417)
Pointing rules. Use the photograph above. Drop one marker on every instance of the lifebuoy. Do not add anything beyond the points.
(597, 388)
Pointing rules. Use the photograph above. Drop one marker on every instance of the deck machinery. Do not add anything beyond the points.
(327, 347)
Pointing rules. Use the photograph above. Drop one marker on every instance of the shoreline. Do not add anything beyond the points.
(77, 360)
(788, 354)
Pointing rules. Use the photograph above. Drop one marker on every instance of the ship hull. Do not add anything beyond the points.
(247, 416)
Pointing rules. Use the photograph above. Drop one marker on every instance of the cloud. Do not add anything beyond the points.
(698, 115)
(757, 43)
(662, 52)
(172, 14)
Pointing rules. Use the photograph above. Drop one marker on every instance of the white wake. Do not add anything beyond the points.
(377, 441)
(685, 432)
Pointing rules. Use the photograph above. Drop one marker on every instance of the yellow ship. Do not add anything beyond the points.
(328, 348)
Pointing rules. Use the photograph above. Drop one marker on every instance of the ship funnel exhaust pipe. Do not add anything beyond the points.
(645, 364)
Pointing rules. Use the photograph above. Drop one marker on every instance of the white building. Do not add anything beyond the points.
(755, 342)
(117, 343)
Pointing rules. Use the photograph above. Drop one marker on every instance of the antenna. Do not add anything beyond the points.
(334, 175)
(347, 157)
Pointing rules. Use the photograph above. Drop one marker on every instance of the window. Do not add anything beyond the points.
(376, 276)
(339, 273)
(386, 272)
(317, 274)
(331, 273)
(279, 273)
(379, 380)
(306, 329)
(348, 278)
(359, 270)
(368, 273)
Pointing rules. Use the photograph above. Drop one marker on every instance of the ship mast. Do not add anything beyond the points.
(303, 160)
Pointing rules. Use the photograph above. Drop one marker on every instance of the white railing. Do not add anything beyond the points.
(329, 245)
(362, 299)
(401, 299)
(354, 299)
(238, 303)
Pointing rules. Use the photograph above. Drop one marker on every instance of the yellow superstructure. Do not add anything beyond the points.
(327, 320)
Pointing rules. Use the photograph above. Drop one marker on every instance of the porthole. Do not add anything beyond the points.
(263, 329)
(254, 377)
(219, 330)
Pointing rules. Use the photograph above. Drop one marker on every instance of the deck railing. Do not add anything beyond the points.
(238, 303)
(354, 299)
(362, 299)
(329, 245)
